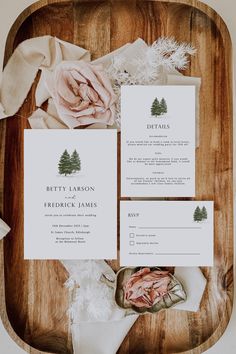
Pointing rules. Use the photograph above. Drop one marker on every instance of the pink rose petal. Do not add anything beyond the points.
(145, 288)
(82, 94)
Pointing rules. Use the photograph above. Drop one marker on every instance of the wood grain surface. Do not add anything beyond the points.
(33, 299)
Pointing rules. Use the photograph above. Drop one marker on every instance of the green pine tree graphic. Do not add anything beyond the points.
(163, 106)
(155, 109)
(158, 108)
(204, 213)
(64, 165)
(75, 162)
(197, 216)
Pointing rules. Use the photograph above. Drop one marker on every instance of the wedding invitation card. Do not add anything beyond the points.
(158, 141)
(166, 233)
(70, 194)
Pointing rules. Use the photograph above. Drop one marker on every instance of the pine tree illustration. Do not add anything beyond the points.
(64, 165)
(204, 213)
(163, 106)
(197, 216)
(155, 109)
(75, 162)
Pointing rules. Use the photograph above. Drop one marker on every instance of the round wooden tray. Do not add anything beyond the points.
(33, 300)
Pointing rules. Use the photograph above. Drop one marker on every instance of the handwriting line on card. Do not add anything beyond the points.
(178, 254)
(171, 227)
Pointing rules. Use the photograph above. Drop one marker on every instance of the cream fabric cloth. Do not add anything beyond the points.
(4, 229)
(100, 338)
(194, 284)
(41, 53)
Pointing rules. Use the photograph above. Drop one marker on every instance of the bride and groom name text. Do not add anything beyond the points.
(70, 205)
(70, 189)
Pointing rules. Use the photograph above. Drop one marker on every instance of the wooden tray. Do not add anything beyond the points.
(34, 302)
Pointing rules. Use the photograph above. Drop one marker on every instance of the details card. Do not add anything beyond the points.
(166, 233)
(158, 141)
(70, 196)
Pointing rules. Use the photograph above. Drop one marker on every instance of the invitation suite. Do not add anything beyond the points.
(70, 194)
(166, 233)
(158, 141)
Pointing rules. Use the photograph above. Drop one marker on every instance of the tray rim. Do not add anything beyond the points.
(27, 12)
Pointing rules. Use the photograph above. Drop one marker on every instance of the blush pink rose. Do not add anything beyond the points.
(82, 94)
(145, 288)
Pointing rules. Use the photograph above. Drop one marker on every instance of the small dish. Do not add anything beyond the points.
(176, 293)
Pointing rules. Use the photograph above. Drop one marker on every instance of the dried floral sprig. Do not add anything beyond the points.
(164, 56)
(169, 53)
(91, 299)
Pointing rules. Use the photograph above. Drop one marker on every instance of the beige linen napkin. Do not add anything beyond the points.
(100, 338)
(29, 57)
(42, 120)
(194, 284)
(4, 229)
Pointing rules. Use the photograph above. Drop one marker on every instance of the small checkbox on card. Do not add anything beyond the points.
(131, 243)
(131, 235)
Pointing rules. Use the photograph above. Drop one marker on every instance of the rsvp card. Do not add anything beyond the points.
(70, 197)
(158, 141)
(166, 233)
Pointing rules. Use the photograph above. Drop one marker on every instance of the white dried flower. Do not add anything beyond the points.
(162, 57)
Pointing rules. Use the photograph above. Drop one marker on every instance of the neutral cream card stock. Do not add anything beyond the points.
(70, 197)
(166, 233)
(158, 141)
